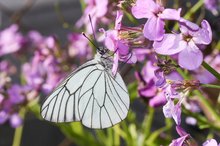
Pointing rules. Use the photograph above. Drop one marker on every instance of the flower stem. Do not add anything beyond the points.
(19, 130)
(208, 109)
(210, 86)
(211, 70)
(190, 12)
(194, 9)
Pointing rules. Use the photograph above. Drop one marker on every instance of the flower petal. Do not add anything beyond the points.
(168, 109)
(111, 39)
(179, 141)
(148, 90)
(118, 20)
(190, 59)
(210, 142)
(157, 100)
(204, 35)
(143, 8)
(101, 7)
(154, 29)
(123, 49)
(129, 58)
(171, 44)
(170, 14)
(15, 120)
(186, 25)
(3, 116)
(177, 113)
(115, 64)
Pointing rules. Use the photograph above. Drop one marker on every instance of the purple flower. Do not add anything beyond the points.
(171, 110)
(16, 94)
(35, 37)
(10, 40)
(147, 88)
(43, 73)
(78, 46)
(3, 116)
(97, 10)
(182, 139)
(210, 142)
(15, 120)
(115, 44)
(191, 121)
(186, 43)
(212, 5)
(205, 76)
(179, 141)
(156, 14)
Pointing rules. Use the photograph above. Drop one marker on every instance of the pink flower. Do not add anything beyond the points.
(43, 72)
(186, 43)
(170, 109)
(3, 116)
(182, 139)
(116, 45)
(10, 40)
(205, 76)
(97, 10)
(78, 46)
(156, 14)
(212, 5)
(210, 142)
(16, 94)
(147, 88)
(179, 141)
(15, 120)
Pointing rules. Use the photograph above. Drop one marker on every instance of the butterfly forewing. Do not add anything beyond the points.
(65, 96)
(90, 95)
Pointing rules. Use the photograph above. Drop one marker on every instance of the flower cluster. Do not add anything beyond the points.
(174, 56)
(40, 73)
(164, 53)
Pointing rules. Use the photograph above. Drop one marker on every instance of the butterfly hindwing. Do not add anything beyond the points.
(106, 103)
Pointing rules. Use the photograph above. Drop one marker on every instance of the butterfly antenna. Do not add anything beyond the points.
(93, 31)
(90, 40)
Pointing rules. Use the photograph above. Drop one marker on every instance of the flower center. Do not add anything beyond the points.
(187, 38)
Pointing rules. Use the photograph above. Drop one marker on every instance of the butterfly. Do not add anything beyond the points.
(91, 94)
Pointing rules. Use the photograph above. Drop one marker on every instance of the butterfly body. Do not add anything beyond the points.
(90, 94)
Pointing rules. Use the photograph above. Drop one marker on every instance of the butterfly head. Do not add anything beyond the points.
(102, 51)
(105, 60)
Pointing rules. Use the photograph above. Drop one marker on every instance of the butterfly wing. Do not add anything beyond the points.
(62, 104)
(90, 95)
(103, 100)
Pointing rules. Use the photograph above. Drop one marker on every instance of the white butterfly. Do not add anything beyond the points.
(90, 94)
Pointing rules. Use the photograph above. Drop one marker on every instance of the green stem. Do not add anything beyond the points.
(116, 138)
(210, 86)
(194, 9)
(149, 121)
(147, 124)
(208, 109)
(191, 12)
(211, 70)
(19, 130)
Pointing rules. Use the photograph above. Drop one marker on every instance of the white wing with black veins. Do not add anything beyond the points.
(90, 95)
